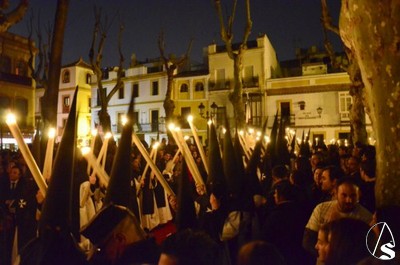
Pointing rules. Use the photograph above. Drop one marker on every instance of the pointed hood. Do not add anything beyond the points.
(119, 190)
(282, 152)
(272, 146)
(36, 145)
(55, 243)
(56, 209)
(234, 173)
(186, 214)
(216, 178)
(98, 143)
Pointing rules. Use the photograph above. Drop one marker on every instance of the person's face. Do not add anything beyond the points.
(14, 174)
(347, 197)
(317, 176)
(167, 260)
(352, 165)
(214, 202)
(200, 189)
(327, 184)
(322, 246)
(167, 156)
(314, 160)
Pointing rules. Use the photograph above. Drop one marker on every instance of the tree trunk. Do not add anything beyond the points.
(236, 97)
(169, 104)
(49, 105)
(357, 112)
(371, 29)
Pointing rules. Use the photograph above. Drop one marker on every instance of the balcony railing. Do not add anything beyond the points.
(17, 79)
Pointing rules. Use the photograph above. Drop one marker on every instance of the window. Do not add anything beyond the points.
(220, 78)
(88, 78)
(21, 69)
(89, 103)
(21, 107)
(221, 114)
(248, 74)
(345, 102)
(66, 102)
(154, 121)
(253, 109)
(4, 103)
(65, 76)
(154, 88)
(121, 92)
(185, 112)
(184, 88)
(5, 64)
(135, 90)
(199, 86)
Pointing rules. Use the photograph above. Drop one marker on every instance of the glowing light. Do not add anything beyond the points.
(155, 145)
(94, 132)
(267, 139)
(51, 133)
(241, 133)
(209, 122)
(171, 126)
(258, 133)
(223, 130)
(108, 135)
(251, 130)
(85, 150)
(124, 120)
(186, 137)
(11, 119)
(190, 118)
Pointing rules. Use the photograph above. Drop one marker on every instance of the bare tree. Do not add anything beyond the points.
(357, 112)
(101, 27)
(171, 65)
(236, 97)
(13, 17)
(371, 30)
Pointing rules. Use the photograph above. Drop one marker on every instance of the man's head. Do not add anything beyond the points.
(112, 230)
(189, 247)
(280, 173)
(347, 195)
(14, 173)
(353, 164)
(329, 177)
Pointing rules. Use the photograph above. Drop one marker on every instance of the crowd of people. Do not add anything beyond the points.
(315, 210)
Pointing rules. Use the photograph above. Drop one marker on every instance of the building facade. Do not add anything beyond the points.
(17, 93)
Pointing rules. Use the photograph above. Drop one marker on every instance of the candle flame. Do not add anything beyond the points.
(108, 135)
(94, 132)
(85, 150)
(190, 118)
(11, 119)
(52, 133)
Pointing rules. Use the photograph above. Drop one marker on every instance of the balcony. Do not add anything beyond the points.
(250, 82)
(16, 79)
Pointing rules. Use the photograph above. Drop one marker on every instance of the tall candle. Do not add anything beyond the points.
(198, 143)
(153, 167)
(26, 153)
(97, 169)
(48, 159)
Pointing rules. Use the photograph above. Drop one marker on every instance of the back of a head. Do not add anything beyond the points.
(192, 247)
(259, 253)
(280, 172)
(346, 244)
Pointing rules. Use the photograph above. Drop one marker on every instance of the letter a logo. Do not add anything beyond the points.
(383, 247)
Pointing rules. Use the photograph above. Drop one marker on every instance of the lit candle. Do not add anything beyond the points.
(244, 145)
(189, 158)
(198, 143)
(48, 159)
(97, 169)
(30, 161)
(152, 152)
(153, 167)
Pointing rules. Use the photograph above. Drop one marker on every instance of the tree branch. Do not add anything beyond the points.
(249, 24)
(13, 17)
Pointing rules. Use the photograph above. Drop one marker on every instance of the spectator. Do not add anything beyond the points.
(259, 253)
(342, 242)
(346, 205)
(189, 247)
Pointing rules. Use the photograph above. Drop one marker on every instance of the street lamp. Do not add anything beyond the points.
(208, 115)
(319, 111)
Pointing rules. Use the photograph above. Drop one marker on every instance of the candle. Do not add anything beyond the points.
(147, 165)
(198, 143)
(97, 169)
(93, 141)
(189, 158)
(153, 167)
(30, 161)
(48, 159)
(107, 139)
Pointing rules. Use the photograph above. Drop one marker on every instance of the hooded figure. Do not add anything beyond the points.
(115, 230)
(55, 243)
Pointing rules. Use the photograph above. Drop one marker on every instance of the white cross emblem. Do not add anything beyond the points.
(22, 203)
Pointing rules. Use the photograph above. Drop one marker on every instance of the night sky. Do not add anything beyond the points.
(287, 23)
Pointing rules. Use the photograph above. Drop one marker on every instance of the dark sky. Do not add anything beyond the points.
(287, 23)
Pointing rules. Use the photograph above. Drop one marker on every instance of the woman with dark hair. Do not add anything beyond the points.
(342, 242)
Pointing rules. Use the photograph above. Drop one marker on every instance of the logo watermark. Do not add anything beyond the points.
(383, 247)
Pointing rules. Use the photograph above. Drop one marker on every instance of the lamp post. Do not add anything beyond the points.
(319, 111)
(208, 115)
